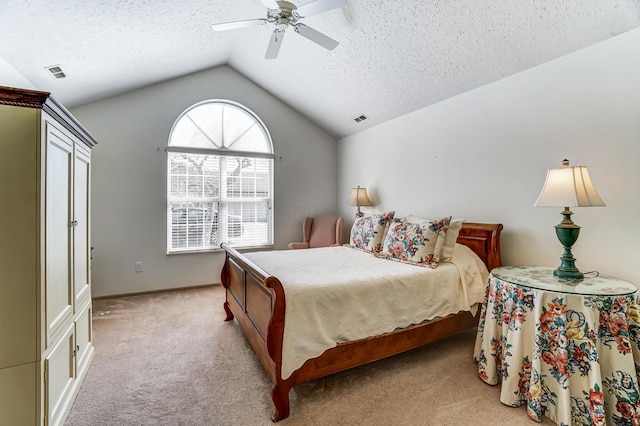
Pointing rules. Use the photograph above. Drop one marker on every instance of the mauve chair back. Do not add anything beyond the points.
(325, 231)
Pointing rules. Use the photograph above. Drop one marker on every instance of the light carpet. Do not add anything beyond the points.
(171, 359)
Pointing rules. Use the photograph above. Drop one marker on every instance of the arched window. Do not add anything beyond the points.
(219, 179)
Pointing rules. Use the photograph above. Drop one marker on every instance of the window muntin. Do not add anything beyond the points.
(220, 179)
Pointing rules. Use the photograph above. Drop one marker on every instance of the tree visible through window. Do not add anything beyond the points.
(219, 179)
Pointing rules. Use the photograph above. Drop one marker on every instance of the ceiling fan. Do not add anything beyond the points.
(284, 14)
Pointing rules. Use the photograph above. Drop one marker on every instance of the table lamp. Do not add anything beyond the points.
(568, 187)
(359, 197)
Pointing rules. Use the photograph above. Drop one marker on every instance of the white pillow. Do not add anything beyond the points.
(449, 239)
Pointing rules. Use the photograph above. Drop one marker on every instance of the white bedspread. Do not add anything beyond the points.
(339, 294)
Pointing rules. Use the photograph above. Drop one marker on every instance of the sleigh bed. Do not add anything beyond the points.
(256, 299)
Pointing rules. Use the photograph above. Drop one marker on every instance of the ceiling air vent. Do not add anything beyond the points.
(360, 118)
(55, 71)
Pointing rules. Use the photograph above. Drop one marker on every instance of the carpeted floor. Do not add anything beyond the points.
(171, 359)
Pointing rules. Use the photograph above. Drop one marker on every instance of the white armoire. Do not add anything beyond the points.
(45, 267)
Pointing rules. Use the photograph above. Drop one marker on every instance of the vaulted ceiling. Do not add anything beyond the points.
(394, 57)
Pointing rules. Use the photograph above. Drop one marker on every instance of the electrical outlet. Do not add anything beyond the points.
(138, 266)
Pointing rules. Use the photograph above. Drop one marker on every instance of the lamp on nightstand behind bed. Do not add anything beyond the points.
(359, 197)
(568, 187)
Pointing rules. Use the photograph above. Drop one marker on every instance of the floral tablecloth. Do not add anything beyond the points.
(570, 356)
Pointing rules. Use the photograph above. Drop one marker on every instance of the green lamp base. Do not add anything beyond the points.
(567, 232)
(568, 274)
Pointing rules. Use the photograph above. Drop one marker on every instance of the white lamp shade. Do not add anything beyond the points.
(569, 187)
(359, 197)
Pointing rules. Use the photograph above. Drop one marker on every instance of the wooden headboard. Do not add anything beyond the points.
(484, 240)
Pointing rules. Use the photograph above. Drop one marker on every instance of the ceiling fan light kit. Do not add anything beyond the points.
(284, 14)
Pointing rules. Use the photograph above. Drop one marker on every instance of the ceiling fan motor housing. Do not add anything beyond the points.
(286, 8)
(287, 11)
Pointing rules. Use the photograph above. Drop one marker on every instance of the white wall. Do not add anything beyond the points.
(129, 178)
(484, 155)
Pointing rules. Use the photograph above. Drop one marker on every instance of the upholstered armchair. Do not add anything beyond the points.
(320, 231)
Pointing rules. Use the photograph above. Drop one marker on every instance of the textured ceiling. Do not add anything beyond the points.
(394, 57)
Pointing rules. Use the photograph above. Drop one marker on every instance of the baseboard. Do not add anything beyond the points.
(164, 290)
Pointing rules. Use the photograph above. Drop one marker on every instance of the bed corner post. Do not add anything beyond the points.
(281, 387)
(280, 398)
(224, 277)
(495, 257)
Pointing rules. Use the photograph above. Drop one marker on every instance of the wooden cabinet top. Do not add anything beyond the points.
(43, 100)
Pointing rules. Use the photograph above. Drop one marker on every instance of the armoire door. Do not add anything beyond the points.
(58, 283)
(59, 377)
(81, 209)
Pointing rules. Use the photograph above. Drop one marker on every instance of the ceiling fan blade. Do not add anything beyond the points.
(274, 44)
(270, 4)
(239, 24)
(316, 36)
(319, 6)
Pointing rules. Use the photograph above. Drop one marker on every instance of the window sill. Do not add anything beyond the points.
(219, 250)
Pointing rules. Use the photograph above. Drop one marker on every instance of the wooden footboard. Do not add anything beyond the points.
(256, 300)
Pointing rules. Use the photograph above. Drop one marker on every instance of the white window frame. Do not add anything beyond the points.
(252, 196)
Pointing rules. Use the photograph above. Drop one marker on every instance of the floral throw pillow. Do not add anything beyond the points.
(449, 240)
(416, 243)
(368, 231)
